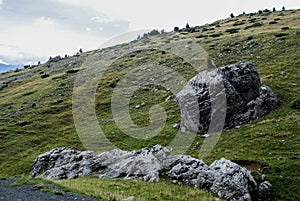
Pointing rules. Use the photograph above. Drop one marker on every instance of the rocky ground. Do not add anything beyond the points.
(34, 193)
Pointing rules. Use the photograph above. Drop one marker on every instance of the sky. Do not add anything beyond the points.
(34, 30)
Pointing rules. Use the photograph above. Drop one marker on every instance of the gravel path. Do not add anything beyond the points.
(32, 193)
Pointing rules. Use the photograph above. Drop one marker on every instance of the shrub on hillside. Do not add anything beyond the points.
(273, 22)
(238, 23)
(295, 104)
(285, 28)
(45, 76)
(232, 30)
(258, 24)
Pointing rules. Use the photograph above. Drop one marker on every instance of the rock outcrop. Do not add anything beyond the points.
(246, 97)
(223, 177)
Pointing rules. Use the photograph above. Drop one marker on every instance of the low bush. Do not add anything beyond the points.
(73, 71)
(232, 31)
(273, 22)
(216, 35)
(238, 23)
(45, 76)
(281, 35)
(295, 104)
(258, 24)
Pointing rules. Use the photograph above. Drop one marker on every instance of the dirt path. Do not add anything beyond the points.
(32, 193)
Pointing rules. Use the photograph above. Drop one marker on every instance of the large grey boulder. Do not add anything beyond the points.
(223, 177)
(61, 163)
(246, 97)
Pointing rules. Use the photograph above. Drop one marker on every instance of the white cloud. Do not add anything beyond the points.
(166, 14)
(44, 21)
(63, 26)
(3, 62)
(101, 19)
(44, 38)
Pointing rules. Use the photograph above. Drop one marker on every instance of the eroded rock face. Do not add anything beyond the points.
(246, 97)
(223, 177)
(62, 163)
(232, 181)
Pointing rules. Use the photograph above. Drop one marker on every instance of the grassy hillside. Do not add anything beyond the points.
(36, 105)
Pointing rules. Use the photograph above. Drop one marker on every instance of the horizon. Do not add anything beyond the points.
(33, 32)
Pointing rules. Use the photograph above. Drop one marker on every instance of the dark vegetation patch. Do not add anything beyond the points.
(295, 104)
(232, 30)
(257, 24)
(281, 35)
(73, 71)
(45, 76)
(238, 23)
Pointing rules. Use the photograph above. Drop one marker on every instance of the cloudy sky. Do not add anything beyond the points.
(33, 30)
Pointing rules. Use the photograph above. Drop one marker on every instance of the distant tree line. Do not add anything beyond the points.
(260, 12)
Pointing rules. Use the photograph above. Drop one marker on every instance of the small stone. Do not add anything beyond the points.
(283, 73)
(131, 198)
(205, 136)
(197, 145)
(264, 190)
(271, 76)
(168, 98)
(174, 181)
(177, 126)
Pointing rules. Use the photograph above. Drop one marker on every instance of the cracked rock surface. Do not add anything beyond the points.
(223, 177)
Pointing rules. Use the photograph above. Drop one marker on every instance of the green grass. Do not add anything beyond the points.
(119, 189)
(36, 112)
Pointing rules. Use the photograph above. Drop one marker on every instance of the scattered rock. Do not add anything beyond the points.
(223, 177)
(283, 73)
(197, 145)
(177, 126)
(271, 76)
(205, 136)
(131, 198)
(264, 190)
(246, 97)
(168, 98)
(71, 63)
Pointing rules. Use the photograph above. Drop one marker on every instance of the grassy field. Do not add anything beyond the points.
(36, 108)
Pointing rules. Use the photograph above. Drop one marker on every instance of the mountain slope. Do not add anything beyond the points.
(6, 68)
(36, 103)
